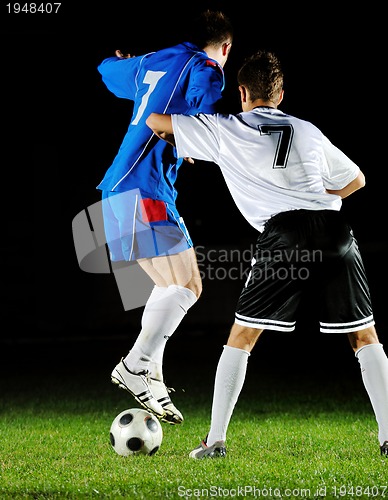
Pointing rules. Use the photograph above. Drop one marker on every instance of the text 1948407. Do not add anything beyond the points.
(33, 8)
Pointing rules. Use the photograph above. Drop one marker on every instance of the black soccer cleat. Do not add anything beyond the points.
(384, 449)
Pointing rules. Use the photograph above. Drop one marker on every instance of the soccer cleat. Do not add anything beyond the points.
(161, 392)
(216, 450)
(384, 449)
(137, 384)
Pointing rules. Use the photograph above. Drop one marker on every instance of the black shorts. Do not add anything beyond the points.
(306, 252)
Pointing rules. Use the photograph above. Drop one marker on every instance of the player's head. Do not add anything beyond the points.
(212, 31)
(261, 76)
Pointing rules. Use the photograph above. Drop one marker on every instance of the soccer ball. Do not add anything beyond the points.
(135, 432)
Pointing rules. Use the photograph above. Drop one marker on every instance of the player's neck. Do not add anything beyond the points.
(261, 103)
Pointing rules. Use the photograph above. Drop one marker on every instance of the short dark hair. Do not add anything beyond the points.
(211, 27)
(262, 75)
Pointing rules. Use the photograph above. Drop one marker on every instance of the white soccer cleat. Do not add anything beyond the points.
(137, 384)
(216, 450)
(161, 392)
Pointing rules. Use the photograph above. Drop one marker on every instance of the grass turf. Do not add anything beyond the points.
(293, 434)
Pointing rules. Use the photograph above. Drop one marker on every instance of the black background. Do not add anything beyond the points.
(62, 128)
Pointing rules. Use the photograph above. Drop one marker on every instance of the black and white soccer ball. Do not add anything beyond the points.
(136, 432)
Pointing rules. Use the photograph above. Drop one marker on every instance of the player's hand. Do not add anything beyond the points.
(118, 53)
(189, 160)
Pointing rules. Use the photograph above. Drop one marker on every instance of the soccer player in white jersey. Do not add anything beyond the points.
(288, 180)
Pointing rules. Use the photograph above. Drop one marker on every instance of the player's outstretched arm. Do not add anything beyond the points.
(355, 185)
(161, 125)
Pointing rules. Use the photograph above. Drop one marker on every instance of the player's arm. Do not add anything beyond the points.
(161, 125)
(119, 75)
(341, 171)
(354, 185)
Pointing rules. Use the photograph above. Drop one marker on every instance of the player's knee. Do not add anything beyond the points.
(364, 337)
(243, 337)
(195, 285)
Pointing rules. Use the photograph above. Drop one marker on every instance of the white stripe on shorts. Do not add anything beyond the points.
(265, 324)
(352, 326)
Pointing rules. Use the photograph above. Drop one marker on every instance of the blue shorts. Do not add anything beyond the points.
(138, 227)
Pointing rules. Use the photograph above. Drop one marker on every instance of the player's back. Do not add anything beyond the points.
(176, 79)
(275, 162)
(179, 79)
(272, 162)
(279, 149)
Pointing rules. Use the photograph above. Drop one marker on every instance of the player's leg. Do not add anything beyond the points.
(164, 250)
(174, 276)
(120, 212)
(347, 309)
(374, 371)
(229, 381)
(260, 306)
(230, 377)
(178, 285)
(177, 269)
(177, 288)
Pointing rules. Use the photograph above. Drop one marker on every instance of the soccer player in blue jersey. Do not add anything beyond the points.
(288, 180)
(141, 219)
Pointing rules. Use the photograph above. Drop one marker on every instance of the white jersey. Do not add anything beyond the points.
(272, 162)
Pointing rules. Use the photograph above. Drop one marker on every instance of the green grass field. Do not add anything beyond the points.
(294, 433)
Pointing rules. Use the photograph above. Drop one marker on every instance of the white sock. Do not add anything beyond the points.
(230, 377)
(165, 309)
(136, 360)
(374, 371)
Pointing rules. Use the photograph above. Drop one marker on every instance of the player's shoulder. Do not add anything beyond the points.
(298, 121)
(200, 58)
(205, 69)
(211, 63)
(206, 61)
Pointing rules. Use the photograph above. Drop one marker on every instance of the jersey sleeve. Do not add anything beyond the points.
(119, 75)
(196, 136)
(340, 170)
(206, 86)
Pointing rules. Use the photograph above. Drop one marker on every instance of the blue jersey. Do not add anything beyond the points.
(180, 79)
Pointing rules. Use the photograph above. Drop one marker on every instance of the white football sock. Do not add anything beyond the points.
(156, 364)
(374, 371)
(230, 377)
(165, 309)
(137, 361)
